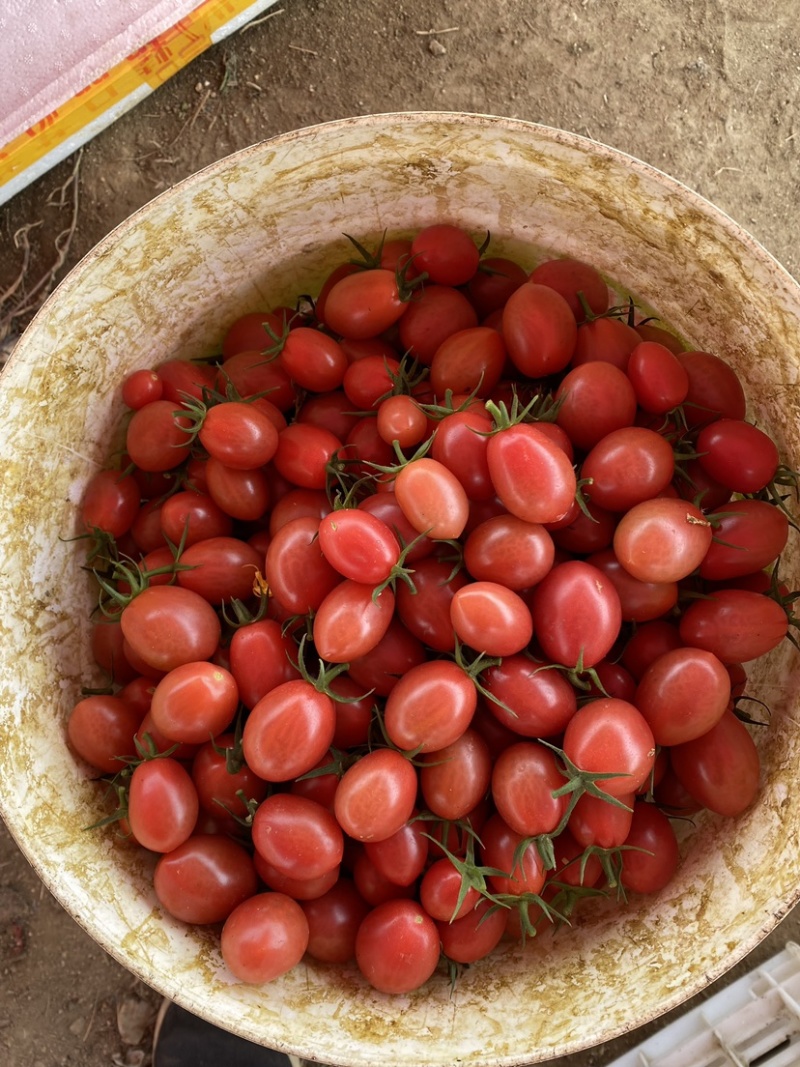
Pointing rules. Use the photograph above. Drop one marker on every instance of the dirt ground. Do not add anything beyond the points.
(706, 91)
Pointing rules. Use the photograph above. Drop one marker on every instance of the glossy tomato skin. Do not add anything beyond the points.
(101, 729)
(539, 330)
(204, 879)
(241, 494)
(296, 570)
(432, 498)
(736, 625)
(508, 550)
(627, 466)
(167, 626)
(298, 836)
(571, 277)
(662, 540)
(110, 502)
(397, 946)
(194, 702)
(605, 340)
(351, 621)
(468, 361)
(376, 795)
(640, 601)
(652, 855)
(493, 283)
(303, 454)
(506, 850)
(576, 614)
(264, 937)
(189, 516)
(358, 545)
(595, 398)
(314, 360)
(430, 706)
(524, 778)
(738, 455)
(220, 568)
(474, 935)
(162, 804)
(658, 377)
(530, 697)
(446, 253)
(364, 304)
(720, 769)
(491, 618)
(531, 475)
(158, 437)
(456, 778)
(597, 822)
(261, 658)
(239, 435)
(440, 890)
(219, 777)
(397, 653)
(433, 314)
(611, 736)
(402, 857)
(288, 731)
(460, 443)
(682, 694)
(333, 921)
(426, 613)
(715, 390)
(749, 535)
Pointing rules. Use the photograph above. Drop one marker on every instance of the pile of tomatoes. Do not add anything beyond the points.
(424, 609)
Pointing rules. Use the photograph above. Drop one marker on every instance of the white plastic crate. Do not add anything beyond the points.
(754, 1022)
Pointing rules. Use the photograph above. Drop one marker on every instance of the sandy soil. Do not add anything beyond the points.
(707, 92)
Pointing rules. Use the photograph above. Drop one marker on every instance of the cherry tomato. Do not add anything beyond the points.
(432, 498)
(220, 775)
(397, 946)
(188, 516)
(295, 569)
(721, 768)
(288, 731)
(397, 653)
(204, 879)
(460, 443)
(611, 736)
(162, 804)
(748, 536)
(738, 455)
(194, 701)
(359, 545)
(508, 550)
(351, 620)
(166, 626)
(261, 658)
(110, 502)
(658, 377)
(402, 857)
(662, 540)
(524, 778)
(313, 360)
(531, 475)
(241, 494)
(101, 730)
(595, 398)
(297, 836)
(468, 360)
(455, 779)
(506, 850)
(539, 330)
(736, 625)
(715, 390)
(430, 706)
(264, 937)
(474, 935)
(651, 855)
(493, 283)
(376, 795)
(220, 568)
(683, 694)
(628, 466)
(433, 314)
(303, 454)
(574, 279)
(445, 253)
(253, 330)
(333, 921)
(576, 614)
(605, 340)
(158, 436)
(364, 304)
(141, 387)
(597, 822)
(491, 618)
(530, 697)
